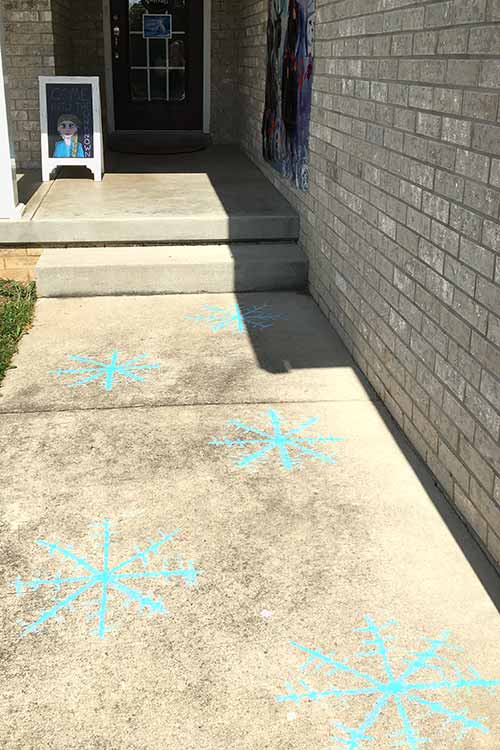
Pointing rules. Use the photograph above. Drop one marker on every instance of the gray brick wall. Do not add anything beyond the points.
(224, 54)
(30, 52)
(63, 16)
(88, 40)
(46, 37)
(401, 220)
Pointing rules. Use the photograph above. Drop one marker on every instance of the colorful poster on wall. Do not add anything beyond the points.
(287, 111)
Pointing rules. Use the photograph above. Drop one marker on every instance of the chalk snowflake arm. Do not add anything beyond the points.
(57, 582)
(189, 574)
(407, 737)
(452, 716)
(89, 360)
(142, 555)
(249, 428)
(68, 553)
(132, 362)
(357, 735)
(77, 371)
(52, 612)
(143, 600)
(84, 381)
(334, 664)
(426, 658)
(316, 454)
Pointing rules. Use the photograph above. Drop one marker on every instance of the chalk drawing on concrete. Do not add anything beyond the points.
(108, 372)
(289, 444)
(237, 318)
(106, 583)
(412, 691)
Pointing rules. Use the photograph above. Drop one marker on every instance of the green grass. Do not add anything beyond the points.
(17, 302)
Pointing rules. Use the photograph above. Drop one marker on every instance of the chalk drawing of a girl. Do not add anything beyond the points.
(69, 146)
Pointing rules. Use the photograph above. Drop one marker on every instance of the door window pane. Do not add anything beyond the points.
(177, 85)
(157, 53)
(135, 13)
(138, 84)
(176, 57)
(138, 51)
(158, 84)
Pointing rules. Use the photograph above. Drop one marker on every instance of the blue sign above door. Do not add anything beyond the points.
(157, 26)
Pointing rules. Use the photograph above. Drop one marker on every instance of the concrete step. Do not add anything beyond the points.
(170, 269)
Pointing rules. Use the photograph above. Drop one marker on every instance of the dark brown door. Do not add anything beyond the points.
(157, 64)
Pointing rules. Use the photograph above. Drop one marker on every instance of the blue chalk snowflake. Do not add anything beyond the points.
(237, 317)
(105, 580)
(289, 444)
(96, 370)
(409, 690)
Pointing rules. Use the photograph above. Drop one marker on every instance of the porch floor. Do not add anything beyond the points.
(212, 195)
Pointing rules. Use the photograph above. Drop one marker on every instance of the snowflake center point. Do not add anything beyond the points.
(395, 686)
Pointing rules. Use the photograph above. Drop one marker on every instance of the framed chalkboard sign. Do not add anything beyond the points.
(70, 115)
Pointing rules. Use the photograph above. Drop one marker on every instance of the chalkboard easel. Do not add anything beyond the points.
(70, 117)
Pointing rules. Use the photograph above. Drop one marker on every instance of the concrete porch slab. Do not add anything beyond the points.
(213, 195)
(286, 556)
(298, 358)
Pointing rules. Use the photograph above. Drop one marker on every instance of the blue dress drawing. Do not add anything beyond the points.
(64, 150)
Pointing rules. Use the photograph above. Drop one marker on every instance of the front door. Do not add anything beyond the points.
(157, 53)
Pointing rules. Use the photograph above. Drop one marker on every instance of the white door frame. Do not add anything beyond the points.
(108, 63)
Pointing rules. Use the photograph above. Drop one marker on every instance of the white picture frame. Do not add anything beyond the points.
(49, 160)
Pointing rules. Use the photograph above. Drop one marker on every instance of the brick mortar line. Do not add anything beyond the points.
(434, 166)
(476, 23)
(410, 107)
(446, 253)
(441, 85)
(401, 293)
(405, 108)
(416, 256)
(475, 88)
(419, 210)
(416, 282)
(381, 11)
(471, 26)
(410, 57)
(432, 192)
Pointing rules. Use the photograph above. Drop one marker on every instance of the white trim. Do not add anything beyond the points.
(108, 64)
(95, 164)
(9, 206)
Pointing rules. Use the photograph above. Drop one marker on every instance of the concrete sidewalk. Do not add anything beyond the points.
(291, 559)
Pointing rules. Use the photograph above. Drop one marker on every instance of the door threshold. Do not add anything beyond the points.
(156, 142)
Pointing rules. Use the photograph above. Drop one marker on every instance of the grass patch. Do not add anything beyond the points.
(17, 302)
